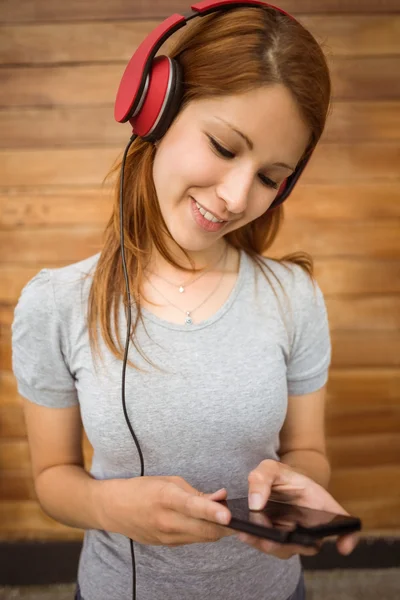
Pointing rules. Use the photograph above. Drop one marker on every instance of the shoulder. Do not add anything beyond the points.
(291, 279)
(65, 286)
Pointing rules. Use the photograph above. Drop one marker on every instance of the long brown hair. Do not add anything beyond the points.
(221, 54)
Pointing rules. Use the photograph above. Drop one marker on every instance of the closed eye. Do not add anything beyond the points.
(228, 154)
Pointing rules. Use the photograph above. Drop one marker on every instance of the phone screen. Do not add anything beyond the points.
(288, 523)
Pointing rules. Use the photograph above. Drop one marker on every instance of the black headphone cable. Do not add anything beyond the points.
(129, 319)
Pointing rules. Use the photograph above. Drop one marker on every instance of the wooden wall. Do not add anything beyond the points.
(60, 64)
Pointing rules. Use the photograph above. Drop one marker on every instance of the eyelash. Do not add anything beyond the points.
(227, 154)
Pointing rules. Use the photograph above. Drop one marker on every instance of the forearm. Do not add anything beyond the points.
(311, 463)
(70, 495)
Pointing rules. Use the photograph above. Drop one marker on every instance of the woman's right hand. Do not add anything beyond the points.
(164, 510)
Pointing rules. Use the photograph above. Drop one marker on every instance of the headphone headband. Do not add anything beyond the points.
(134, 79)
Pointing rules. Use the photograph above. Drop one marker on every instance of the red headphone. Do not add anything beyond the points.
(151, 89)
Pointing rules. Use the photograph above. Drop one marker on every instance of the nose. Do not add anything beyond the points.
(234, 189)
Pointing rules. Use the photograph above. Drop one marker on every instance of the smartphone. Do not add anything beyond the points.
(287, 523)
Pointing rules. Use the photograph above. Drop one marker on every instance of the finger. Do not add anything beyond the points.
(283, 551)
(273, 474)
(346, 543)
(218, 495)
(184, 529)
(197, 506)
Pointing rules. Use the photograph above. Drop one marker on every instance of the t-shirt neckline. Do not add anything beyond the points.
(148, 315)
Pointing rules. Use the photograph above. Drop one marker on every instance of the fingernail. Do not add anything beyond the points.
(255, 502)
(222, 518)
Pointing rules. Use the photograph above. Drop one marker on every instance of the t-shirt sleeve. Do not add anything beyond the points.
(310, 352)
(38, 348)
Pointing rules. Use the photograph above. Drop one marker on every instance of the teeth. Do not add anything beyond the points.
(208, 215)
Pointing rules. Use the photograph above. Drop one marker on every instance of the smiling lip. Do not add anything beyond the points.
(202, 222)
(210, 211)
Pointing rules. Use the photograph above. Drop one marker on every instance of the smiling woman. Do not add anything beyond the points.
(231, 350)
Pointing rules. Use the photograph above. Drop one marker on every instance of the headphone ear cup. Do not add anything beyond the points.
(161, 101)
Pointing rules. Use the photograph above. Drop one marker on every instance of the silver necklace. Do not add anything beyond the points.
(185, 284)
(188, 313)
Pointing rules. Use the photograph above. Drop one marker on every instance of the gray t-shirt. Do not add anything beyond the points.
(211, 414)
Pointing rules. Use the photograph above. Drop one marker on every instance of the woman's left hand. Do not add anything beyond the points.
(273, 477)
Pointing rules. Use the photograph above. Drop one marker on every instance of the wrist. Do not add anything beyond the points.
(108, 498)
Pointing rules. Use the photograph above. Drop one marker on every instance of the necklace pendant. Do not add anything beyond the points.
(188, 320)
(181, 289)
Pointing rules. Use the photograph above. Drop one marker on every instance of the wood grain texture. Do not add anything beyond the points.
(370, 450)
(372, 483)
(108, 41)
(363, 390)
(353, 349)
(78, 10)
(26, 520)
(353, 79)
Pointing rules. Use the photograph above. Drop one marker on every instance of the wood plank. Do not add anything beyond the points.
(54, 167)
(356, 163)
(16, 486)
(56, 207)
(349, 122)
(365, 451)
(357, 35)
(381, 514)
(372, 483)
(367, 78)
(363, 423)
(337, 239)
(66, 245)
(356, 312)
(362, 390)
(354, 349)
(80, 10)
(343, 201)
(77, 42)
(14, 455)
(26, 520)
(12, 424)
(354, 276)
(355, 79)
(362, 121)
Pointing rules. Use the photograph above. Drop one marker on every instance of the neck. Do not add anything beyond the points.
(202, 259)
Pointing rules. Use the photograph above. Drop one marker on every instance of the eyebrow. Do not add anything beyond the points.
(251, 145)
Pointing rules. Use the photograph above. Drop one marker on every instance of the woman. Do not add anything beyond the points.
(231, 350)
